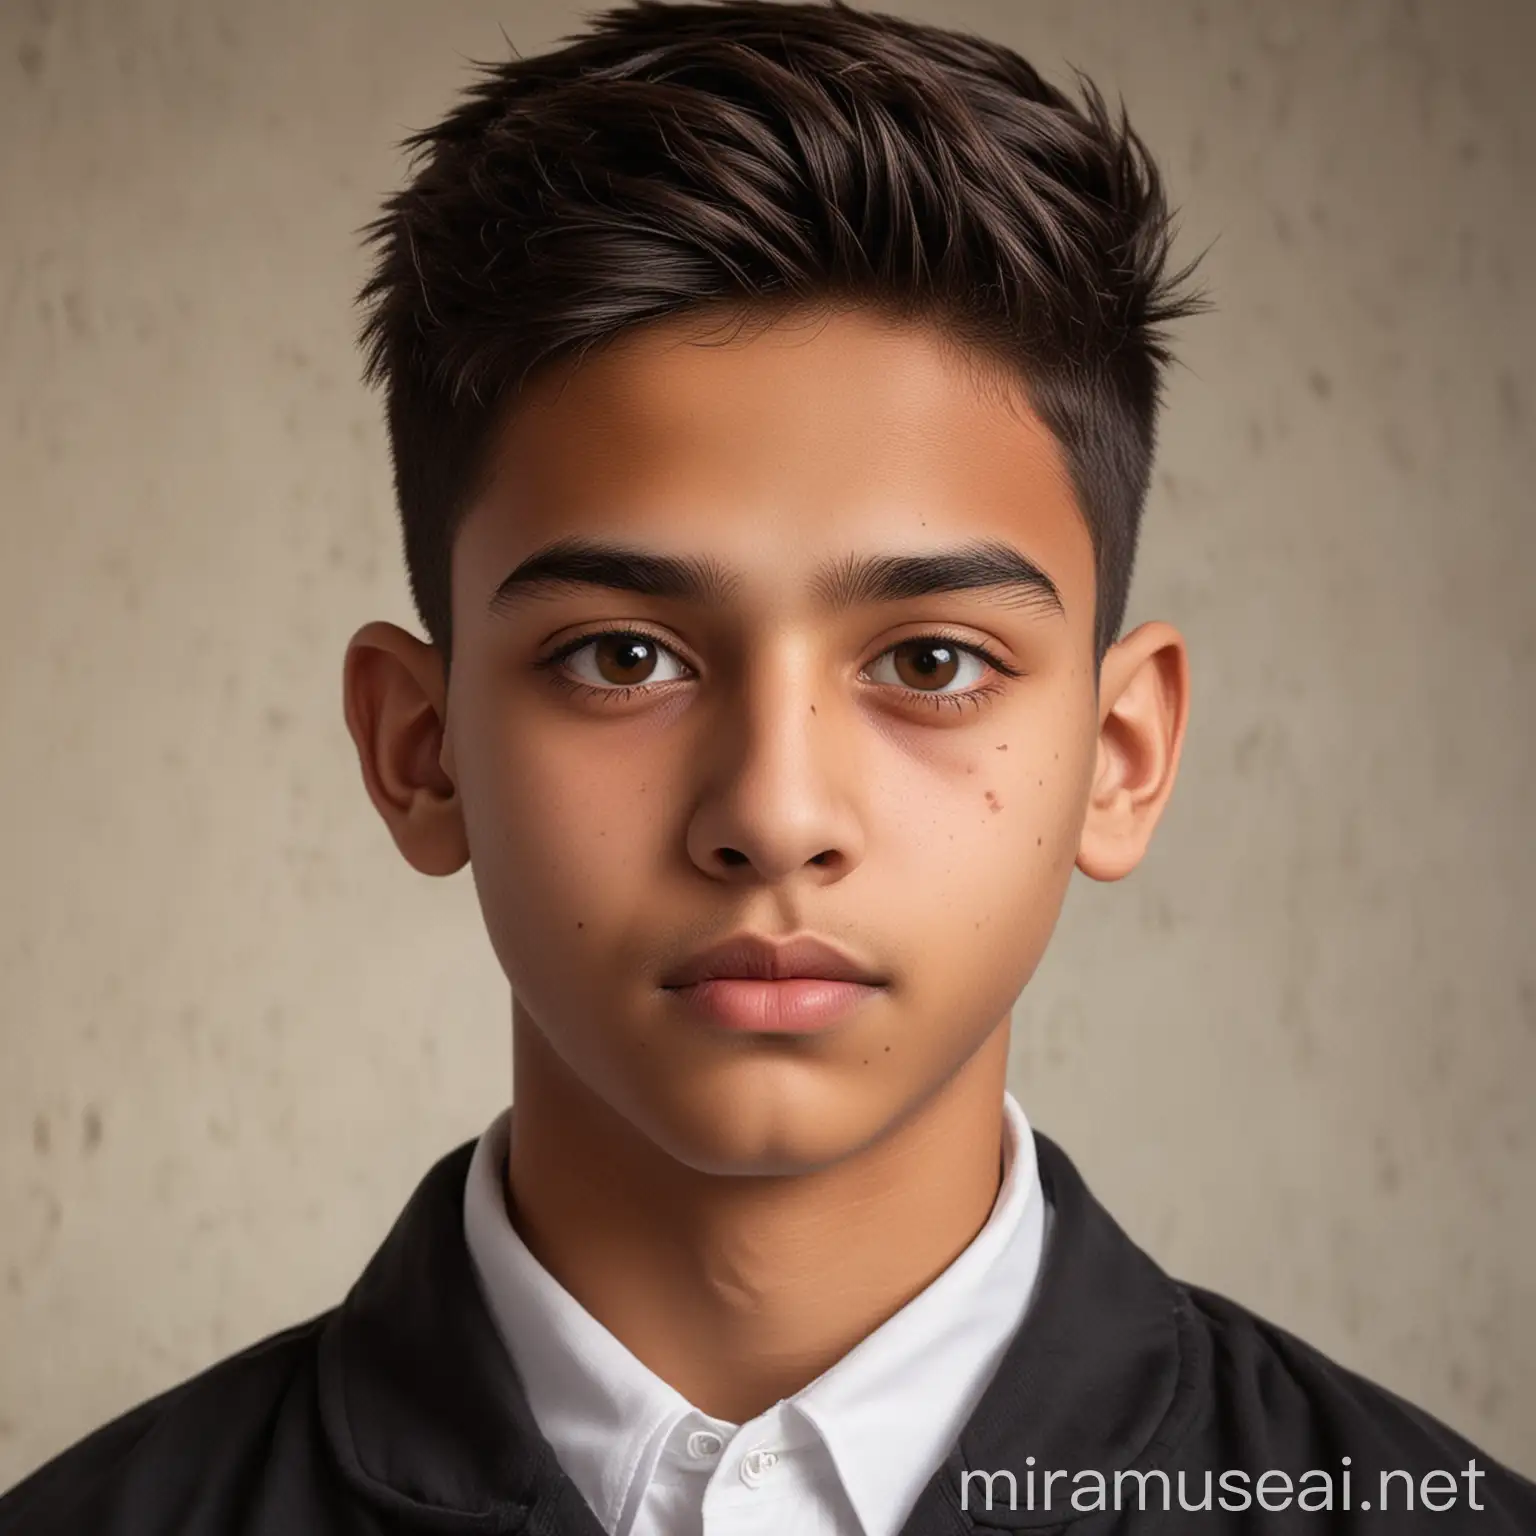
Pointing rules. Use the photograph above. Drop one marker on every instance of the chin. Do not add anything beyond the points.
(766, 1118)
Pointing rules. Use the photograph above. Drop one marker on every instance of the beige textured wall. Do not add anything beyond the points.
(1295, 1052)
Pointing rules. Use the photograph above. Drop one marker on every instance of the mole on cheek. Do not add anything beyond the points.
(993, 801)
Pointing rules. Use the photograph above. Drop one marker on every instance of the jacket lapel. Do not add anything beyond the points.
(423, 1409)
(1101, 1376)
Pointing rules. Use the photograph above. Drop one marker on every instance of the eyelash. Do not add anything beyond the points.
(618, 694)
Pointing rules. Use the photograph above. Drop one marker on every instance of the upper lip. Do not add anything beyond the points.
(755, 957)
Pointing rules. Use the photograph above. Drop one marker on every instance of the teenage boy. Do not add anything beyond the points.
(771, 391)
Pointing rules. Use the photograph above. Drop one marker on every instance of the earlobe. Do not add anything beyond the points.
(394, 693)
(1144, 708)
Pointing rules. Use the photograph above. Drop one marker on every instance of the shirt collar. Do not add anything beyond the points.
(426, 1422)
(892, 1407)
(888, 1411)
(599, 1407)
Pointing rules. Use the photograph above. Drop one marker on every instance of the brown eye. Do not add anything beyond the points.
(618, 659)
(624, 659)
(930, 665)
(926, 664)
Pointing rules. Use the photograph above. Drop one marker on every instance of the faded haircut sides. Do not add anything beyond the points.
(746, 156)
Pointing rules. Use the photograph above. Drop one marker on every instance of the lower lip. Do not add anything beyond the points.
(796, 1005)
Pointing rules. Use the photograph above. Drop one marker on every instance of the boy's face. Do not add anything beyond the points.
(779, 764)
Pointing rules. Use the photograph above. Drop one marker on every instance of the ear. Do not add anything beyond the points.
(1143, 709)
(394, 691)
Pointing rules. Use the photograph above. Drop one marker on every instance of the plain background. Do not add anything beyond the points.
(1295, 1052)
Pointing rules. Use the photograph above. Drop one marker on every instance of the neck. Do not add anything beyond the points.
(739, 1291)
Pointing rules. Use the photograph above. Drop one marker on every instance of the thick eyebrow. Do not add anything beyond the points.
(852, 581)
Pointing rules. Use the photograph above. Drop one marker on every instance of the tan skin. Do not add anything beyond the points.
(741, 1210)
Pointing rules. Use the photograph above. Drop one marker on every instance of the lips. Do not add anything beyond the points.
(795, 1006)
(754, 957)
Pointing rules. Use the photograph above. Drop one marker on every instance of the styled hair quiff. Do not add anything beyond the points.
(747, 155)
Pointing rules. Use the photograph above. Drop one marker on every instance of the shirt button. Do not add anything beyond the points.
(756, 1465)
(704, 1444)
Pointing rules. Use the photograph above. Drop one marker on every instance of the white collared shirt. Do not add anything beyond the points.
(847, 1455)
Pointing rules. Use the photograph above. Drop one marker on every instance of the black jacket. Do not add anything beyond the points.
(400, 1412)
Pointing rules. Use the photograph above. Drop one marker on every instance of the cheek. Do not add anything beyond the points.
(985, 864)
(557, 840)
(1035, 809)
(1011, 845)
(1012, 808)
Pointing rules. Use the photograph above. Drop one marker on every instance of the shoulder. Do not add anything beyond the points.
(1281, 1403)
(185, 1460)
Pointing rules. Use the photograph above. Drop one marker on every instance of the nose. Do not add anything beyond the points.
(778, 781)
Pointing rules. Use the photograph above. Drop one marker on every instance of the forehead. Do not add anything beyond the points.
(778, 448)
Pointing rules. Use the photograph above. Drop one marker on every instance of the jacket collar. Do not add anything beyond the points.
(428, 1422)
(1103, 1375)
(424, 1412)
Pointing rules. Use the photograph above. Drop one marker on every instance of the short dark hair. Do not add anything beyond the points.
(750, 155)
